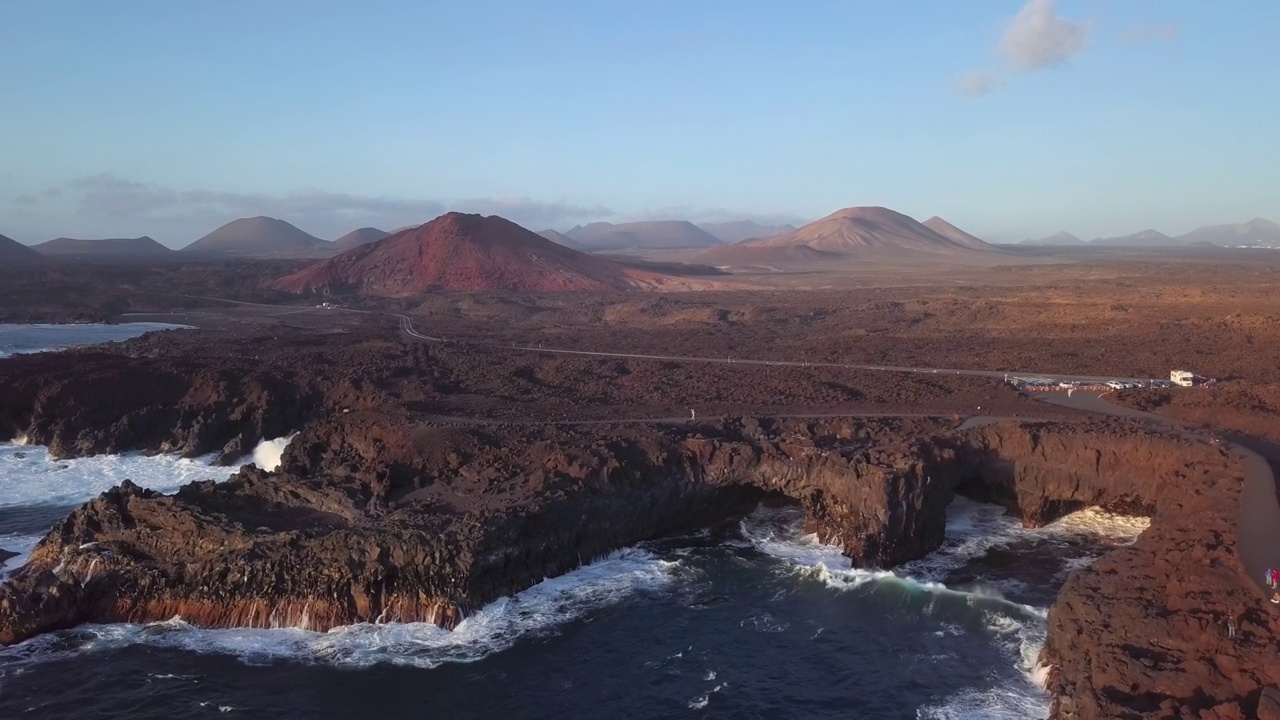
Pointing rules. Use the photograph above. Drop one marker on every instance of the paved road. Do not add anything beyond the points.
(1259, 524)
(1258, 528)
(969, 421)
(405, 324)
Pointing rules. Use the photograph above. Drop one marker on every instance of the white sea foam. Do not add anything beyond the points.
(538, 611)
(1094, 522)
(973, 529)
(268, 453)
(29, 477)
(21, 544)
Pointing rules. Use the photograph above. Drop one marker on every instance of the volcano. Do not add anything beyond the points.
(113, 247)
(860, 233)
(358, 237)
(462, 253)
(259, 236)
(14, 252)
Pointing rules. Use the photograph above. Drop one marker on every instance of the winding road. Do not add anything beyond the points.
(1259, 523)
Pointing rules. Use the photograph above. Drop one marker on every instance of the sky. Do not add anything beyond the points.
(1011, 119)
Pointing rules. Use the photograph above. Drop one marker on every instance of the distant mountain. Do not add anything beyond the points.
(1061, 238)
(259, 236)
(863, 233)
(868, 230)
(13, 252)
(1255, 233)
(559, 238)
(1146, 238)
(116, 247)
(742, 230)
(460, 253)
(955, 234)
(650, 235)
(358, 237)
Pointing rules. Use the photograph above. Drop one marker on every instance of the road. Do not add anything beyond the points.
(1258, 528)
(1259, 523)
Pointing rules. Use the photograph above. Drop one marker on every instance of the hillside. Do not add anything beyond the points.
(259, 236)
(1145, 238)
(1060, 238)
(358, 237)
(559, 238)
(648, 235)
(955, 234)
(738, 230)
(463, 253)
(869, 231)
(13, 252)
(1255, 233)
(116, 247)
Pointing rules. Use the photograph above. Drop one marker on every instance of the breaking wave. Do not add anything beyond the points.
(30, 477)
(537, 611)
(973, 530)
(268, 454)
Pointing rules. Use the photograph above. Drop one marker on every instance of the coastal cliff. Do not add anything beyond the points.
(375, 516)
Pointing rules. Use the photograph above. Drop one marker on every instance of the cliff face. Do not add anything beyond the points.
(1145, 632)
(375, 516)
(395, 522)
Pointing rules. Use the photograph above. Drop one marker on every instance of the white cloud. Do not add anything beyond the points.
(1037, 38)
(979, 82)
(109, 196)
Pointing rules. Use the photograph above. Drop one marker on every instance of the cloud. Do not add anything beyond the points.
(1037, 38)
(1145, 35)
(711, 215)
(979, 82)
(107, 195)
(26, 200)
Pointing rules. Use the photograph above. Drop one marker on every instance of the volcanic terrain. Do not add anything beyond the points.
(858, 233)
(459, 252)
(14, 252)
(260, 237)
(139, 247)
(358, 237)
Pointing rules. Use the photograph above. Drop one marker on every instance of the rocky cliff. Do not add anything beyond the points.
(377, 515)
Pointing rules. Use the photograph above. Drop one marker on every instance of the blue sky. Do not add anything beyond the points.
(1011, 119)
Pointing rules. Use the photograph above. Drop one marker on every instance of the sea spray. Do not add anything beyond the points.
(538, 611)
(269, 453)
(29, 477)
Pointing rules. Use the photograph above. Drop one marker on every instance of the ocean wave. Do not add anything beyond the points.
(537, 611)
(973, 530)
(21, 544)
(29, 477)
(268, 453)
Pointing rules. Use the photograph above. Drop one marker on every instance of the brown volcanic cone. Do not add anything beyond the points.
(14, 252)
(951, 232)
(867, 231)
(458, 252)
(358, 237)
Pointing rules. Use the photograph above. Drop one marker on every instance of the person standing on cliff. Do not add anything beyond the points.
(1267, 578)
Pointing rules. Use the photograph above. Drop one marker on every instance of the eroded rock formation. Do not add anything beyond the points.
(375, 516)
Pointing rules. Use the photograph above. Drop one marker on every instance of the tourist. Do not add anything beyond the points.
(1268, 578)
(1275, 579)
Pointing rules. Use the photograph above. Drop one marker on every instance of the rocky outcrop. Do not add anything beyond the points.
(1170, 627)
(379, 515)
(399, 522)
